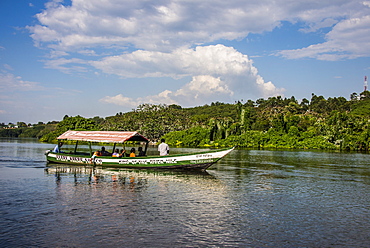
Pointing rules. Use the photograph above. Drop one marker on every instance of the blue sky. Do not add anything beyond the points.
(98, 58)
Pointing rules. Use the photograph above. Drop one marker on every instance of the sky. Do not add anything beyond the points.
(101, 57)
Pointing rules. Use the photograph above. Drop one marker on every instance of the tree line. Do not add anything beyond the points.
(276, 122)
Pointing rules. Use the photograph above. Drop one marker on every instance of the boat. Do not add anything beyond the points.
(199, 160)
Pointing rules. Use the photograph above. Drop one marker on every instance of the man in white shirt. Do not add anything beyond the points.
(57, 147)
(163, 148)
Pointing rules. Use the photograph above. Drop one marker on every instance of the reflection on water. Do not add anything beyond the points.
(165, 207)
(98, 174)
(251, 198)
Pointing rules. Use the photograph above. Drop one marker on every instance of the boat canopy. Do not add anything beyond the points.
(102, 136)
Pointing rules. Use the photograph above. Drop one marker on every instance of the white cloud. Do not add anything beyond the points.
(201, 90)
(88, 52)
(203, 86)
(119, 100)
(157, 39)
(313, 27)
(168, 25)
(66, 65)
(216, 71)
(218, 60)
(12, 83)
(349, 39)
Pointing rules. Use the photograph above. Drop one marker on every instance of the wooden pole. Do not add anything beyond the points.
(91, 152)
(76, 147)
(146, 147)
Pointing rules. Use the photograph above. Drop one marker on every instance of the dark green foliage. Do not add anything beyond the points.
(69, 123)
(13, 133)
(35, 131)
(193, 137)
(276, 122)
(215, 110)
(362, 107)
(75, 123)
(153, 121)
(284, 123)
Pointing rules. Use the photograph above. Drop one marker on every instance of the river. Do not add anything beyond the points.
(251, 198)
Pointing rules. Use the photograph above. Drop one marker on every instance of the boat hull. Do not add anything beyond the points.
(202, 160)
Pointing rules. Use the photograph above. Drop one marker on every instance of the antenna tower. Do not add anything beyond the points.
(365, 84)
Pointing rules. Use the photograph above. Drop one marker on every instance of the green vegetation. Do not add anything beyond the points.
(152, 121)
(276, 122)
(333, 123)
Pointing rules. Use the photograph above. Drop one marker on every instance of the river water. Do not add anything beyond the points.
(251, 198)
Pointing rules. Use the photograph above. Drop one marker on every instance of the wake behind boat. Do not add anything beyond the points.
(199, 160)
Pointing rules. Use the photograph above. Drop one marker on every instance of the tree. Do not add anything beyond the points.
(318, 104)
(153, 121)
(75, 123)
(21, 124)
(305, 104)
(174, 106)
(365, 95)
(354, 96)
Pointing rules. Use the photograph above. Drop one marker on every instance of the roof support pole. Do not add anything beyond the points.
(146, 147)
(76, 147)
(91, 152)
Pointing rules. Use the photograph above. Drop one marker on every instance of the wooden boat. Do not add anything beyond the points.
(199, 160)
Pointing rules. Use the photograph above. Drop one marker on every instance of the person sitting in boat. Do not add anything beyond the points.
(104, 152)
(163, 148)
(141, 152)
(96, 154)
(57, 147)
(122, 153)
(115, 153)
(132, 152)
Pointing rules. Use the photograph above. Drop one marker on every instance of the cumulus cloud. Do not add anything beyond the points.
(119, 100)
(217, 72)
(203, 86)
(215, 60)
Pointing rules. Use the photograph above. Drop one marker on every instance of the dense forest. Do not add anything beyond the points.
(276, 122)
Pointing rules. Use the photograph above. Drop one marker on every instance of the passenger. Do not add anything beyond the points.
(122, 153)
(163, 148)
(57, 147)
(132, 152)
(96, 154)
(115, 153)
(141, 152)
(104, 152)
